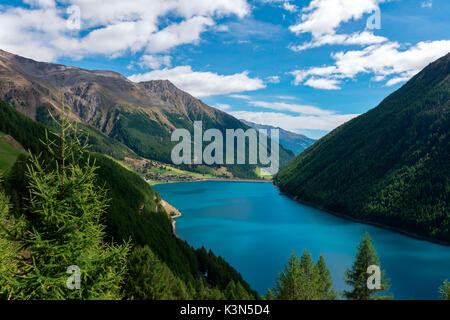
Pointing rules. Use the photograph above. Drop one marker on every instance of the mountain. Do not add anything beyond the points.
(289, 140)
(389, 166)
(134, 214)
(141, 116)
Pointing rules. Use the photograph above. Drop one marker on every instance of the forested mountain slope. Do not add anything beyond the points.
(141, 116)
(390, 165)
(134, 212)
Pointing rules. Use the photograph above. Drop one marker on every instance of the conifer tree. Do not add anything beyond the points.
(301, 280)
(444, 290)
(358, 275)
(230, 291)
(325, 281)
(150, 279)
(60, 233)
(8, 251)
(269, 295)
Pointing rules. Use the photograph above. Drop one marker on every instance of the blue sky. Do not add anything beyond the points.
(306, 66)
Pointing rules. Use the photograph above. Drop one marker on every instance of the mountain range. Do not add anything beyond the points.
(290, 140)
(139, 116)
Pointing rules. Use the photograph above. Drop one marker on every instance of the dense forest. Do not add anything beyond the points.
(389, 166)
(132, 214)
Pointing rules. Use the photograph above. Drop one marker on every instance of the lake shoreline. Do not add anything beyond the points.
(169, 210)
(375, 224)
(337, 214)
(216, 179)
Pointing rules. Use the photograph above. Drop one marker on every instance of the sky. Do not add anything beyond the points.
(304, 65)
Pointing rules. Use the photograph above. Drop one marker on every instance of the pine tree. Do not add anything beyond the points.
(241, 293)
(357, 276)
(8, 251)
(59, 234)
(444, 290)
(325, 281)
(230, 291)
(301, 280)
(269, 295)
(150, 279)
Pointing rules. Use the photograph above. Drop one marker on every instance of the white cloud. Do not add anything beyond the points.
(41, 3)
(291, 116)
(222, 106)
(155, 62)
(357, 38)
(285, 4)
(289, 6)
(322, 18)
(325, 84)
(295, 122)
(240, 96)
(427, 4)
(383, 61)
(295, 108)
(203, 84)
(273, 79)
(286, 97)
(179, 33)
(110, 27)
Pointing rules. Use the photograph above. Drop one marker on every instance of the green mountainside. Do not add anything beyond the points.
(141, 116)
(390, 165)
(134, 212)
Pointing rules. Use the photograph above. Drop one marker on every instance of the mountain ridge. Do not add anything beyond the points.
(141, 115)
(288, 139)
(388, 166)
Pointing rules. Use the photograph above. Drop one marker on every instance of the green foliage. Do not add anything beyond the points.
(131, 213)
(301, 280)
(97, 141)
(150, 279)
(357, 276)
(8, 249)
(8, 153)
(444, 290)
(61, 227)
(150, 139)
(217, 271)
(325, 282)
(388, 166)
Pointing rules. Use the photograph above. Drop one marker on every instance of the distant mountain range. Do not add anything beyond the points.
(140, 116)
(389, 166)
(290, 140)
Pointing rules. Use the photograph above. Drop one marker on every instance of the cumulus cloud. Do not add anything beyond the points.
(384, 61)
(155, 62)
(322, 18)
(203, 84)
(273, 79)
(109, 27)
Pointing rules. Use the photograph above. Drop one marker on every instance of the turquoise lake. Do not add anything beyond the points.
(255, 229)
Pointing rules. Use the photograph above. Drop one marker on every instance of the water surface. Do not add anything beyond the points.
(256, 229)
